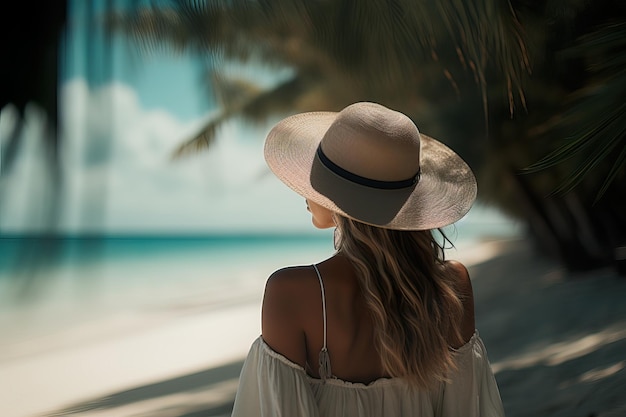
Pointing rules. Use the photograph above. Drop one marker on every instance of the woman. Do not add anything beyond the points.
(385, 327)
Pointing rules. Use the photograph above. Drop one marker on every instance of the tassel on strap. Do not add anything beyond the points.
(324, 360)
(325, 371)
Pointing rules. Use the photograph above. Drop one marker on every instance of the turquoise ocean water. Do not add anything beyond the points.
(50, 284)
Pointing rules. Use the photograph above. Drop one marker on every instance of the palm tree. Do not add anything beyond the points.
(339, 52)
(30, 74)
(464, 61)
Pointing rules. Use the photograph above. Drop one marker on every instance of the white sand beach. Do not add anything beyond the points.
(556, 341)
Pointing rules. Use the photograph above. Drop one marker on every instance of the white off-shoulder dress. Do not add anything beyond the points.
(272, 385)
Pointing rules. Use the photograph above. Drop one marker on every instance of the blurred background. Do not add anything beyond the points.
(138, 220)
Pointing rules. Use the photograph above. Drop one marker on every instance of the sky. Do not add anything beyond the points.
(123, 112)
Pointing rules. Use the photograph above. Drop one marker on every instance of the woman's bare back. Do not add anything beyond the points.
(293, 319)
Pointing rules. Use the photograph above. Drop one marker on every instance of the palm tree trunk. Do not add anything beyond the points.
(560, 227)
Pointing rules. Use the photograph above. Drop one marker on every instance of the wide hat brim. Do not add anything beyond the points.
(444, 193)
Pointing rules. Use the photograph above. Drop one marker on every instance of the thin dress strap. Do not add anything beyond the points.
(324, 358)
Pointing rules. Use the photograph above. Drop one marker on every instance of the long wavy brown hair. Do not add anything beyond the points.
(413, 300)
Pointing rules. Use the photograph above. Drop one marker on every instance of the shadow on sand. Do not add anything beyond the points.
(208, 393)
(556, 340)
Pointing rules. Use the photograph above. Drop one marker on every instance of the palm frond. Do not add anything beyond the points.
(199, 27)
(203, 139)
(616, 169)
(253, 105)
(384, 41)
(490, 34)
(281, 99)
(231, 93)
(597, 116)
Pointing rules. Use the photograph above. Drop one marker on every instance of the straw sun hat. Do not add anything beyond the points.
(371, 164)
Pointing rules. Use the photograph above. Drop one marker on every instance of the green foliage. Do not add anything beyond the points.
(594, 120)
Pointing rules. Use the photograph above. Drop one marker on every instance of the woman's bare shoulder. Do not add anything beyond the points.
(289, 277)
(466, 293)
(286, 287)
(459, 270)
(285, 304)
